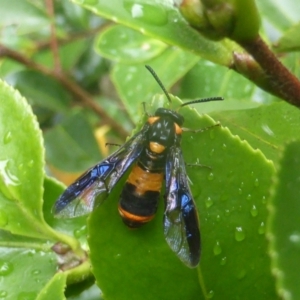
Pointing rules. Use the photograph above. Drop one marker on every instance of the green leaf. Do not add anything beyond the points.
(139, 48)
(26, 265)
(41, 90)
(280, 15)
(283, 224)
(75, 227)
(71, 146)
(22, 13)
(231, 200)
(69, 54)
(22, 170)
(54, 289)
(267, 128)
(290, 41)
(21, 167)
(207, 79)
(162, 21)
(135, 86)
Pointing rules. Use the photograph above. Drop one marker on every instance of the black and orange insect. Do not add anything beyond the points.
(155, 156)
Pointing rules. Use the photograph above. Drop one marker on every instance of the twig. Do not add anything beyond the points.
(70, 85)
(53, 40)
(284, 83)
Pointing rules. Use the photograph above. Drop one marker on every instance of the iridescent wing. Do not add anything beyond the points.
(181, 224)
(93, 187)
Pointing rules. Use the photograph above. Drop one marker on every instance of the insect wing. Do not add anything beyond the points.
(181, 224)
(93, 187)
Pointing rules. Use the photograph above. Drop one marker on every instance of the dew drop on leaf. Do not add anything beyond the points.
(210, 176)
(241, 274)
(3, 294)
(80, 231)
(223, 261)
(208, 202)
(217, 248)
(210, 294)
(254, 211)
(261, 228)
(239, 234)
(149, 13)
(36, 272)
(7, 138)
(5, 268)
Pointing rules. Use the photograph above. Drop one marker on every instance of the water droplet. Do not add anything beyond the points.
(80, 232)
(212, 134)
(239, 234)
(264, 200)
(208, 202)
(223, 261)
(267, 130)
(30, 163)
(6, 175)
(295, 238)
(210, 294)
(7, 138)
(240, 191)
(224, 197)
(5, 268)
(217, 248)
(212, 151)
(224, 147)
(227, 212)
(249, 196)
(210, 176)
(242, 184)
(256, 182)
(3, 294)
(149, 13)
(262, 228)
(241, 274)
(36, 272)
(254, 211)
(3, 218)
(218, 218)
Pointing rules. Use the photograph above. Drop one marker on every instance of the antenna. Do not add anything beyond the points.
(168, 96)
(202, 100)
(158, 81)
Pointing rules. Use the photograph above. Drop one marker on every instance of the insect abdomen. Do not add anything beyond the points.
(140, 196)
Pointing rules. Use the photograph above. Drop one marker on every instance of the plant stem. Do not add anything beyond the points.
(282, 81)
(80, 94)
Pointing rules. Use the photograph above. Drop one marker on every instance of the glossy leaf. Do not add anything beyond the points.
(139, 48)
(41, 90)
(75, 133)
(290, 40)
(136, 85)
(267, 127)
(283, 224)
(26, 265)
(162, 21)
(54, 289)
(21, 167)
(232, 208)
